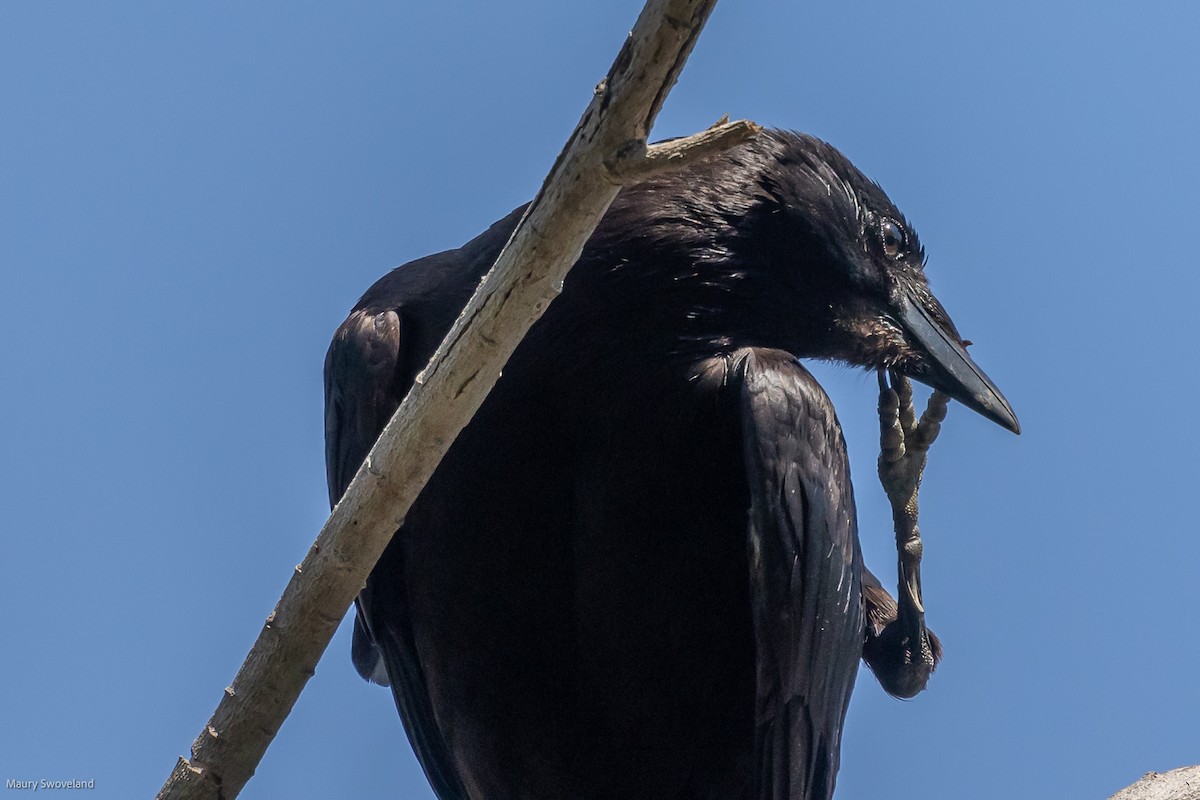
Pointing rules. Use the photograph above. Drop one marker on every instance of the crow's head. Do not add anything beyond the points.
(853, 268)
(780, 242)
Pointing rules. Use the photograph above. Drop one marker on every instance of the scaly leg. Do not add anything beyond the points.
(900, 650)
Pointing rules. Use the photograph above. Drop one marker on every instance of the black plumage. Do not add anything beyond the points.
(636, 574)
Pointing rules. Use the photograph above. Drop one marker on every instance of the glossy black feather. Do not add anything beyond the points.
(805, 573)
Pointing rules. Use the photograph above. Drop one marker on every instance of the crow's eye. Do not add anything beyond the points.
(893, 237)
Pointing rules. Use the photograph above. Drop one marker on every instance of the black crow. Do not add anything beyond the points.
(637, 574)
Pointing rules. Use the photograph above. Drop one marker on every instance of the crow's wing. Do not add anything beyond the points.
(361, 373)
(364, 383)
(805, 575)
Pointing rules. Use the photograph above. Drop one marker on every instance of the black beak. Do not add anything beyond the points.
(947, 367)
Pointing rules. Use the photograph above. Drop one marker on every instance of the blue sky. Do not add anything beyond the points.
(192, 196)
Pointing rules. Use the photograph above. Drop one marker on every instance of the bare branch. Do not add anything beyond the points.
(666, 156)
(1178, 784)
(524, 280)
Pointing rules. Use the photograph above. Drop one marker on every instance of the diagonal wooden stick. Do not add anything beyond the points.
(607, 150)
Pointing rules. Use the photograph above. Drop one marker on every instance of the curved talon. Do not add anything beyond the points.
(911, 581)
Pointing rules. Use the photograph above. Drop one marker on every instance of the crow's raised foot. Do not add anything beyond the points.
(900, 650)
